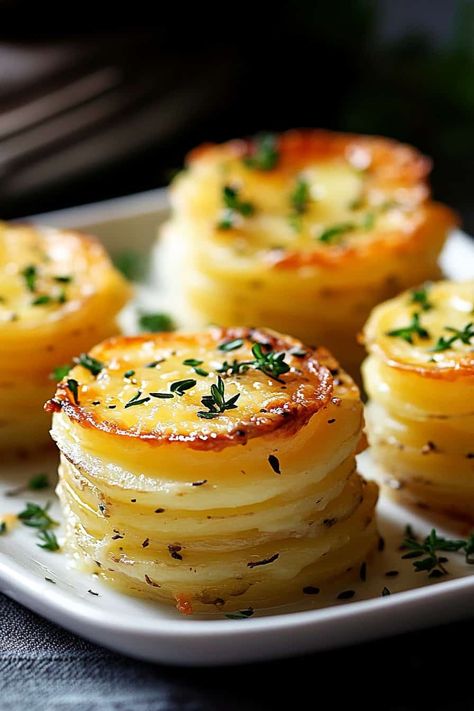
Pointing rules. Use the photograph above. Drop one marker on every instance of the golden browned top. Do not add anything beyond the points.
(429, 330)
(210, 389)
(46, 274)
(325, 198)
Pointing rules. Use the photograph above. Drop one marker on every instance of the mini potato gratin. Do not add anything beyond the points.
(59, 294)
(420, 379)
(304, 232)
(213, 470)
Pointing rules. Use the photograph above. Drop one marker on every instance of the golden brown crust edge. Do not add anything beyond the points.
(317, 366)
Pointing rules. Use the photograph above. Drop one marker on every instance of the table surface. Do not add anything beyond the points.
(44, 667)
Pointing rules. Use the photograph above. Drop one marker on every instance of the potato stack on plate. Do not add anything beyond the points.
(213, 470)
(303, 232)
(59, 294)
(420, 380)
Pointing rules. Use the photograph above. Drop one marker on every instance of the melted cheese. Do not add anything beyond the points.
(366, 230)
(153, 492)
(58, 295)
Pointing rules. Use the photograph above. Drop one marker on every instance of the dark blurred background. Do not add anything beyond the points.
(91, 114)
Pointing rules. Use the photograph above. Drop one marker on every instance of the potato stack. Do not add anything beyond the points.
(420, 379)
(59, 294)
(213, 470)
(303, 232)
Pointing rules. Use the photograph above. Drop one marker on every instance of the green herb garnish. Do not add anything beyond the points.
(63, 279)
(235, 368)
(128, 373)
(464, 335)
(73, 386)
(300, 196)
(271, 363)
(162, 396)
(42, 300)
(48, 540)
(131, 264)
(38, 481)
(60, 372)
(136, 400)
(90, 363)
(156, 322)
(30, 275)
(194, 364)
(425, 553)
(3, 528)
(264, 155)
(230, 345)
(36, 516)
(331, 234)
(420, 296)
(233, 206)
(407, 332)
(180, 386)
(216, 402)
(241, 614)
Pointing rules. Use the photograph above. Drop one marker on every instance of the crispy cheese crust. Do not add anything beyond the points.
(241, 501)
(420, 417)
(339, 223)
(59, 294)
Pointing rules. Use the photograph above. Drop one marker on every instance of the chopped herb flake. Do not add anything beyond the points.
(264, 154)
(231, 345)
(241, 614)
(90, 363)
(48, 541)
(73, 386)
(464, 335)
(332, 234)
(407, 332)
(60, 372)
(180, 386)
(156, 322)
(274, 463)
(265, 561)
(30, 275)
(137, 400)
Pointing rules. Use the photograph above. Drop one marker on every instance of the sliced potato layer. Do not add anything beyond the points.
(214, 468)
(420, 379)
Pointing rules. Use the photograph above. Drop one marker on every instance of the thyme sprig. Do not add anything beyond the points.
(36, 516)
(407, 332)
(464, 335)
(216, 402)
(234, 206)
(425, 552)
(271, 363)
(420, 296)
(89, 363)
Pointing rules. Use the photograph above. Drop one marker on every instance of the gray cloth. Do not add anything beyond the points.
(44, 668)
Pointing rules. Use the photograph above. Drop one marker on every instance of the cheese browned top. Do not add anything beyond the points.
(210, 389)
(429, 329)
(309, 197)
(47, 274)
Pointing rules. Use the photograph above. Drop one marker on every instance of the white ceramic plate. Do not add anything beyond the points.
(48, 583)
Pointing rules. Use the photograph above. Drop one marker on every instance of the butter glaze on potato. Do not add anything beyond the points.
(245, 508)
(59, 294)
(420, 417)
(284, 270)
